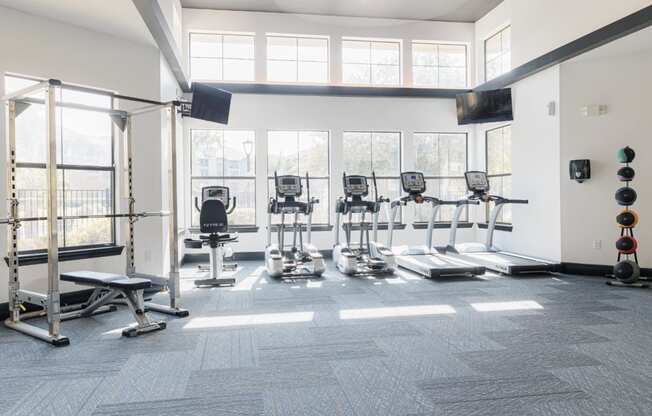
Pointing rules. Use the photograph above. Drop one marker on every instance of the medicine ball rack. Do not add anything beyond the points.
(627, 273)
(49, 302)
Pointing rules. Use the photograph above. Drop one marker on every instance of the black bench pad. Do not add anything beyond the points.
(109, 280)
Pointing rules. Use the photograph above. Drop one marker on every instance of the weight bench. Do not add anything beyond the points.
(108, 287)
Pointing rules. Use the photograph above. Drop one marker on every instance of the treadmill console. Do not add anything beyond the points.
(413, 182)
(355, 185)
(477, 182)
(220, 193)
(288, 186)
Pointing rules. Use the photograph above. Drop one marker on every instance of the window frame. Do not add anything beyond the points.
(433, 177)
(500, 175)
(223, 178)
(221, 58)
(63, 167)
(382, 177)
(297, 61)
(502, 51)
(371, 65)
(437, 44)
(315, 225)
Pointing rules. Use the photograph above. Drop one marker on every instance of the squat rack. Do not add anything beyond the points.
(49, 302)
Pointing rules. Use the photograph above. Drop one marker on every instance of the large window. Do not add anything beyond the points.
(367, 62)
(499, 167)
(225, 157)
(215, 57)
(439, 65)
(498, 54)
(85, 166)
(297, 59)
(380, 152)
(298, 153)
(442, 159)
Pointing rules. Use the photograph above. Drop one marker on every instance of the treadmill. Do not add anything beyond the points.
(486, 254)
(425, 260)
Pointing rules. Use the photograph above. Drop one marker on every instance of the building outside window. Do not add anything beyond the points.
(442, 157)
(365, 152)
(298, 153)
(85, 164)
(221, 57)
(498, 54)
(499, 167)
(226, 158)
(297, 59)
(371, 62)
(437, 65)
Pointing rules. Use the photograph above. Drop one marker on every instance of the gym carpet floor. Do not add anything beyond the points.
(545, 345)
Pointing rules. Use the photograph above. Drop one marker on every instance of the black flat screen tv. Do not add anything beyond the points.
(484, 106)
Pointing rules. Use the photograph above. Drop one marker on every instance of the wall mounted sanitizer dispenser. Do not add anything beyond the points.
(580, 170)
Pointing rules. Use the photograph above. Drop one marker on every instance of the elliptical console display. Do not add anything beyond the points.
(413, 182)
(288, 186)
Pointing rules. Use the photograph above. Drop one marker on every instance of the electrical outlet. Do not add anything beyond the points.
(597, 244)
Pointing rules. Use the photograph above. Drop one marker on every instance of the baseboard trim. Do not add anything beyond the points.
(239, 256)
(68, 298)
(585, 269)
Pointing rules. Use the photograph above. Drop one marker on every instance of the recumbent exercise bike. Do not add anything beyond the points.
(213, 220)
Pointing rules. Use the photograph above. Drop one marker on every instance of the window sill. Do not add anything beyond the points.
(41, 257)
(441, 225)
(318, 227)
(382, 226)
(242, 229)
(499, 227)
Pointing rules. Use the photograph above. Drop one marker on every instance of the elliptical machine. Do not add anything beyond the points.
(213, 219)
(302, 259)
(370, 258)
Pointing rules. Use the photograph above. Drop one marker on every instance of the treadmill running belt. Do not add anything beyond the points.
(435, 265)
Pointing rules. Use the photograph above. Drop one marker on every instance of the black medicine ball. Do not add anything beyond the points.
(626, 196)
(626, 244)
(627, 271)
(627, 219)
(626, 174)
(626, 155)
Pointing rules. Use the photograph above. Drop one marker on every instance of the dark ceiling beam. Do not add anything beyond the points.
(613, 31)
(153, 16)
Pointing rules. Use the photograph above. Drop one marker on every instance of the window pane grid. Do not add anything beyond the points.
(228, 58)
(292, 59)
(295, 153)
(86, 180)
(433, 67)
(371, 62)
(498, 162)
(226, 158)
(497, 54)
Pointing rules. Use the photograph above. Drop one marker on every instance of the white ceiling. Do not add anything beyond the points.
(118, 18)
(446, 10)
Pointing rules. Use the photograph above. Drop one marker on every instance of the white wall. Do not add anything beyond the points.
(45, 48)
(588, 210)
(332, 26)
(335, 114)
(535, 168)
(539, 26)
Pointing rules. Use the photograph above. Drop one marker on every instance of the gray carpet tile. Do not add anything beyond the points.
(215, 404)
(559, 335)
(271, 347)
(307, 401)
(535, 359)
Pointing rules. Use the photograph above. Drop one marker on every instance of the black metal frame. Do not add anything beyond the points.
(222, 178)
(316, 226)
(504, 225)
